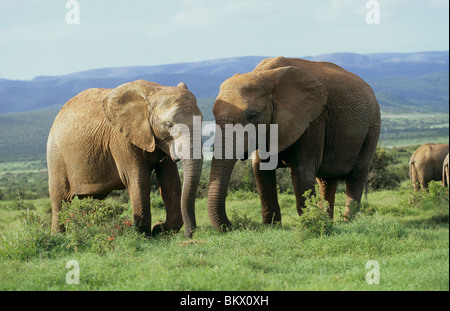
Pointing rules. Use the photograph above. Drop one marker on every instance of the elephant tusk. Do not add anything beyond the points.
(164, 158)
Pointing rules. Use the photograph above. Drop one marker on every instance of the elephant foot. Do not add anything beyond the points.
(272, 218)
(189, 232)
(350, 213)
(145, 229)
(162, 227)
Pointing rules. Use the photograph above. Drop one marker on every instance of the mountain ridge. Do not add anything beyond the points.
(387, 73)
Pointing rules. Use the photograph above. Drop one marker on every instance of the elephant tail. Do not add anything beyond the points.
(413, 174)
(366, 189)
(445, 176)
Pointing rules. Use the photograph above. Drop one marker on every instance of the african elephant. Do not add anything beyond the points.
(426, 164)
(328, 122)
(108, 139)
(445, 173)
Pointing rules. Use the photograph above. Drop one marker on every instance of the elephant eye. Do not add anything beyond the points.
(169, 124)
(253, 117)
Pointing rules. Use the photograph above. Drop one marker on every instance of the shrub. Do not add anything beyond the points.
(156, 200)
(93, 224)
(437, 193)
(435, 199)
(382, 176)
(284, 181)
(242, 178)
(314, 220)
(33, 239)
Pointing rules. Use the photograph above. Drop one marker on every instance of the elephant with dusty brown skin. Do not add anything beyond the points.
(426, 164)
(110, 139)
(445, 173)
(328, 127)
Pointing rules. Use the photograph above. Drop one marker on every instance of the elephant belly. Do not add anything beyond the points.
(97, 174)
(94, 181)
(341, 160)
(336, 170)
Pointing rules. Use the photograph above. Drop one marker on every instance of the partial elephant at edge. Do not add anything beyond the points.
(426, 164)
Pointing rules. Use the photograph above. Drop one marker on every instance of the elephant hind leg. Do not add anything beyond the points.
(355, 183)
(59, 191)
(302, 180)
(354, 190)
(356, 180)
(58, 183)
(327, 191)
(415, 178)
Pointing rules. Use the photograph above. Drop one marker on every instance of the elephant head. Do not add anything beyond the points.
(150, 116)
(288, 97)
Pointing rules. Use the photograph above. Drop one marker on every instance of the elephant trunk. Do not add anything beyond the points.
(191, 178)
(218, 184)
(221, 169)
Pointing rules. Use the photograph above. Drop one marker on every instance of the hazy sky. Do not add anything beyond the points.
(35, 38)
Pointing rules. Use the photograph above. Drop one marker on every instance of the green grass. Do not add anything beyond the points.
(406, 233)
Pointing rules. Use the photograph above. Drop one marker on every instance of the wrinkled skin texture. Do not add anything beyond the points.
(110, 139)
(426, 164)
(445, 173)
(328, 127)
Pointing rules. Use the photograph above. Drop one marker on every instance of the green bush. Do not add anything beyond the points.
(437, 193)
(90, 226)
(314, 220)
(435, 201)
(242, 178)
(382, 176)
(156, 200)
(284, 181)
(33, 239)
(93, 224)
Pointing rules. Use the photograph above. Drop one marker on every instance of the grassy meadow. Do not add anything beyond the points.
(406, 233)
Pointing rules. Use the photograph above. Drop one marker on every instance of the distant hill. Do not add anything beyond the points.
(23, 136)
(403, 82)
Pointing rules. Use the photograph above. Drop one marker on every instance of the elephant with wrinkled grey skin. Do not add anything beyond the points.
(445, 173)
(328, 127)
(111, 139)
(426, 164)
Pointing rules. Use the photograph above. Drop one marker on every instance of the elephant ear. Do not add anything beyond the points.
(127, 109)
(183, 86)
(299, 99)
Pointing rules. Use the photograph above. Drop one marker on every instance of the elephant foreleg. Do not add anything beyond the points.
(267, 189)
(170, 190)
